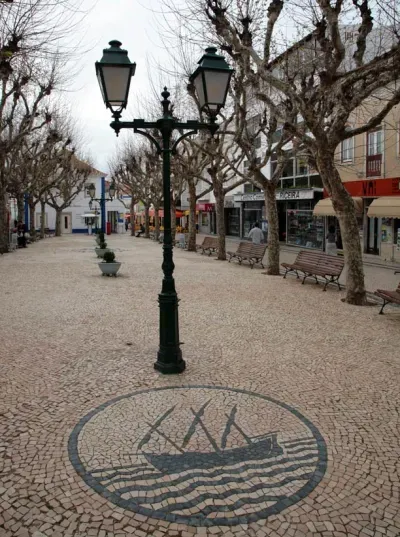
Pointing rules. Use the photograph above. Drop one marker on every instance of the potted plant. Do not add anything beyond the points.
(102, 249)
(99, 237)
(109, 267)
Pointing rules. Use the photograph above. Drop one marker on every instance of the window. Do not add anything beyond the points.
(287, 183)
(245, 164)
(375, 142)
(302, 182)
(257, 142)
(249, 188)
(301, 166)
(316, 181)
(374, 153)
(347, 150)
(288, 168)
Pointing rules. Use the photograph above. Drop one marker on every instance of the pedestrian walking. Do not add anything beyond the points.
(255, 234)
(330, 247)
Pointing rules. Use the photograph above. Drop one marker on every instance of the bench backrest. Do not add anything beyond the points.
(210, 242)
(258, 250)
(331, 263)
(244, 248)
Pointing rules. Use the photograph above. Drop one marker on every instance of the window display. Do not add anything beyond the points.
(304, 229)
(386, 230)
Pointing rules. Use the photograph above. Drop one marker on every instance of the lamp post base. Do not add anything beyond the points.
(171, 364)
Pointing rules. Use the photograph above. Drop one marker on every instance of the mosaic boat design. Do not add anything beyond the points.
(257, 448)
(260, 449)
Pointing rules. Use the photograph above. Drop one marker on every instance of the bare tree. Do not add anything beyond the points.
(325, 80)
(71, 180)
(190, 162)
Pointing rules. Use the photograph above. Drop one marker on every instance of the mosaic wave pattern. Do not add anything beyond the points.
(201, 455)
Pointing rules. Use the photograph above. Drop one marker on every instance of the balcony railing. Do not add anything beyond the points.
(374, 165)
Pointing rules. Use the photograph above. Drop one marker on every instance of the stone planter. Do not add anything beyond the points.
(101, 251)
(109, 269)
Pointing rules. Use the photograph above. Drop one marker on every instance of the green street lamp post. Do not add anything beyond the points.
(211, 83)
(102, 201)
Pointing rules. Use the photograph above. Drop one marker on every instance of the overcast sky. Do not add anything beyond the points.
(132, 23)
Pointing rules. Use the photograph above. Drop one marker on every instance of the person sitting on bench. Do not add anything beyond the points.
(141, 231)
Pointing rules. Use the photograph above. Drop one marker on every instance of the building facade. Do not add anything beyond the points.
(73, 219)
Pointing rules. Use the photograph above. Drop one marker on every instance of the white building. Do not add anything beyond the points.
(73, 220)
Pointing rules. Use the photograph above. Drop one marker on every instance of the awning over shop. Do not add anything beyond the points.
(325, 208)
(387, 207)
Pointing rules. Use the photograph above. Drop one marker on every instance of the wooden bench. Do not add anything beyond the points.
(389, 296)
(209, 244)
(313, 264)
(258, 253)
(242, 253)
(247, 251)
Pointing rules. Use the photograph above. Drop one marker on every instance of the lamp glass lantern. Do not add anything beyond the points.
(211, 81)
(114, 72)
(92, 190)
(111, 190)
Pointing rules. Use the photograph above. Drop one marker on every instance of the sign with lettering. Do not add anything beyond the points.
(292, 194)
(374, 188)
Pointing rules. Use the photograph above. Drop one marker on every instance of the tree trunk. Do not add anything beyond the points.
(219, 206)
(132, 213)
(20, 207)
(173, 215)
(156, 223)
(4, 233)
(58, 222)
(32, 226)
(146, 221)
(345, 211)
(43, 218)
(273, 228)
(192, 216)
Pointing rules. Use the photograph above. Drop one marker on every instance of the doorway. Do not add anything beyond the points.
(372, 236)
(66, 223)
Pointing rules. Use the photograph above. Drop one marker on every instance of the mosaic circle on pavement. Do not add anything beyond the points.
(199, 455)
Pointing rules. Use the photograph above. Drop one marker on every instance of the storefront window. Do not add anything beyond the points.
(233, 222)
(387, 230)
(252, 213)
(204, 219)
(304, 229)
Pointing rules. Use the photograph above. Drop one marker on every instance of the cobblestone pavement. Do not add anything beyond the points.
(285, 423)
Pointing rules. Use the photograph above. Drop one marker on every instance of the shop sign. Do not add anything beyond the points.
(292, 194)
(205, 207)
(283, 195)
(374, 188)
(256, 196)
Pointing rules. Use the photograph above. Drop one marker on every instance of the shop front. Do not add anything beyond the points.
(206, 218)
(379, 220)
(297, 224)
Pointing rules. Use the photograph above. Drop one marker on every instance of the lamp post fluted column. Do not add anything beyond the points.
(210, 81)
(169, 356)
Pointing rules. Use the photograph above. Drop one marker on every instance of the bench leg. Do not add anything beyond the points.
(383, 305)
(305, 277)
